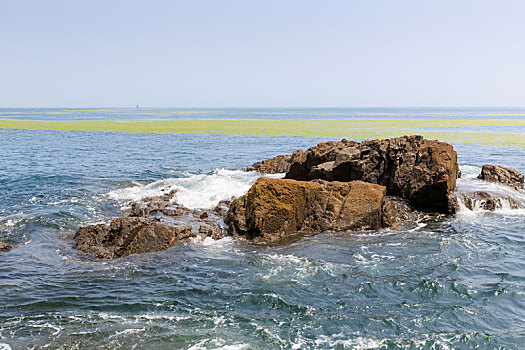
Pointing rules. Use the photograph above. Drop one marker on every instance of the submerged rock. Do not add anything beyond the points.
(129, 235)
(4, 247)
(482, 200)
(411, 167)
(502, 174)
(276, 165)
(276, 209)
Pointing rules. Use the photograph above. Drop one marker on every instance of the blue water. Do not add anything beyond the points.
(454, 283)
(257, 113)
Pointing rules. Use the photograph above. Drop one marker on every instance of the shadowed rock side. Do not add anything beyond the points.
(395, 212)
(276, 165)
(129, 235)
(410, 167)
(276, 209)
(4, 247)
(502, 174)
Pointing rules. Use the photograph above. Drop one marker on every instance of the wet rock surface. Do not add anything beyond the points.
(276, 209)
(129, 235)
(502, 174)
(4, 247)
(276, 165)
(152, 224)
(411, 167)
(483, 200)
(396, 212)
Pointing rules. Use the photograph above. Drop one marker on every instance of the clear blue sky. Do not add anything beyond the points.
(264, 53)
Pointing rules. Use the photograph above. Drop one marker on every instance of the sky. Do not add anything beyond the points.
(266, 53)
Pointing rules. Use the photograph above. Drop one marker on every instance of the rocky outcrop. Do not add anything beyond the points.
(396, 211)
(152, 224)
(129, 235)
(276, 165)
(274, 210)
(335, 186)
(4, 247)
(502, 174)
(411, 167)
(139, 209)
(482, 200)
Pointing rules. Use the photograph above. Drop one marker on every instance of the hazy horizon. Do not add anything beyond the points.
(276, 54)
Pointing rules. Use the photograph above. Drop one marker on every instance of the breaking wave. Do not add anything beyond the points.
(194, 191)
(509, 201)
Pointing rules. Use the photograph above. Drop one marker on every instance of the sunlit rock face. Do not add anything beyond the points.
(410, 167)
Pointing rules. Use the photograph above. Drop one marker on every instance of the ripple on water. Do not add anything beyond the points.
(453, 283)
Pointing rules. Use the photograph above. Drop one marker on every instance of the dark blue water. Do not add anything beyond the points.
(453, 283)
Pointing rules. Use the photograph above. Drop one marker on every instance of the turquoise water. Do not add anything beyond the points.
(452, 283)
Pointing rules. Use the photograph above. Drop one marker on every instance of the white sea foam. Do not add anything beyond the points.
(291, 266)
(217, 344)
(127, 331)
(194, 191)
(4, 346)
(213, 243)
(364, 343)
(469, 183)
(470, 171)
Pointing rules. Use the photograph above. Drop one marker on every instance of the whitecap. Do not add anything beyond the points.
(203, 191)
(217, 344)
(469, 183)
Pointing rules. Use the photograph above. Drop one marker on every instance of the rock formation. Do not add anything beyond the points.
(4, 247)
(129, 235)
(482, 200)
(152, 224)
(276, 209)
(396, 211)
(335, 186)
(419, 170)
(276, 165)
(502, 174)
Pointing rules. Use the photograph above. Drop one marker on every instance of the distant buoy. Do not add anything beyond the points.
(137, 106)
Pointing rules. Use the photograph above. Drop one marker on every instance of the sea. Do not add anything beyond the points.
(451, 282)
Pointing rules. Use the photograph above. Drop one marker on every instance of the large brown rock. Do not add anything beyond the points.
(411, 167)
(502, 174)
(276, 165)
(276, 209)
(129, 235)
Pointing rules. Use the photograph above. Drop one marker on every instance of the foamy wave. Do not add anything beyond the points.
(469, 183)
(216, 243)
(291, 266)
(194, 191)
(217, 344)
(470, 171)
(426, 341)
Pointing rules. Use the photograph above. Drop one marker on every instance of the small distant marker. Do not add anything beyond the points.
(137, 106)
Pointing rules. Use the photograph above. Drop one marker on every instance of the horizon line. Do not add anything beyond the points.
(254, 107)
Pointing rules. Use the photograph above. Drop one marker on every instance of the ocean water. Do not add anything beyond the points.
(453, 282)
(67, 114)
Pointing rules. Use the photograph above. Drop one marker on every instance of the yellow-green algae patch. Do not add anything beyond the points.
(320, 128)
